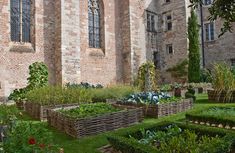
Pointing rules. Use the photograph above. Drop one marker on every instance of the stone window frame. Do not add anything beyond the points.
(166, 21)
(101, 27)
(209, 37)
(168, 46)
(21, 46)
(151, 23)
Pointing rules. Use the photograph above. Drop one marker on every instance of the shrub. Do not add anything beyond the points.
(219, 139)
(26, 137)
(214, 115)
(38, 72)
(190, 93)
(147, 77)
(205, 76)
(180, 70)
(8, 114)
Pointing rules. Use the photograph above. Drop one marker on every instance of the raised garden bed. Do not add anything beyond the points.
(39, 111)
(214, 96)
(223, 117)
(174, 137)
(90, 125)
(162, 109)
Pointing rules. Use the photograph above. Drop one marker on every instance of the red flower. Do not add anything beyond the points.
(32, 141)
(42, 146)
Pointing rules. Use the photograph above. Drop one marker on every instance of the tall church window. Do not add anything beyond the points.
(94, 19)
(20, 20)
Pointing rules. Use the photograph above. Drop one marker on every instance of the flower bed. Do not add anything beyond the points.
(214, 96)
(174, 137)
(157, 104)
(214, 116)
(79, 126)
(39, 111)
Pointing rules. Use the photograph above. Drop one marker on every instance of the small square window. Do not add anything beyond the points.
(169, 49)
(167, 1)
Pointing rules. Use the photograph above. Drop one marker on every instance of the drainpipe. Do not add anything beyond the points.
(202, 37)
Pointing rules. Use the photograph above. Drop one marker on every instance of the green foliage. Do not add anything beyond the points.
(190, 93)
(51, 95)
(166, 87)
(83, 85)
(205, 76)
(147, 77)
(8, 114)
(193, 138)
(223, 9)
(38, 77)
(194, 50)
(90, 110)
(26, 137)
(180, 70)
(214, 115)
(113, 92)
(223, 80)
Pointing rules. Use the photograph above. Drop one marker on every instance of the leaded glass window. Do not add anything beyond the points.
(20, 20)
(94, 23)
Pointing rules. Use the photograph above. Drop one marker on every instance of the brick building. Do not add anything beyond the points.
(96, 41)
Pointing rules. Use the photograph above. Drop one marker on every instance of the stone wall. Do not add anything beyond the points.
(16, 57)
(222, 49)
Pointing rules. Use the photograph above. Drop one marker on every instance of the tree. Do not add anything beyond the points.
(223, 9)
(194, 54)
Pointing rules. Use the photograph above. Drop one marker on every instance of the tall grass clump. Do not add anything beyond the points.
(51, 95)
(223, 81)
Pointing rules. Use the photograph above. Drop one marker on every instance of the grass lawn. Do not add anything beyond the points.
(91, 144)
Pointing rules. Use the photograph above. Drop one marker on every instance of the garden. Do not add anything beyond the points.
(144, 118)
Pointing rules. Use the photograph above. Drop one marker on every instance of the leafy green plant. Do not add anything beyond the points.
(8, 114)
(89, 110)
(147, 77)
(180, 70)
(190, 93)
(28, 137)
(38, 77)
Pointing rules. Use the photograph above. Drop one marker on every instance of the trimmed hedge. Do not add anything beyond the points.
(122, 142)
(212, 119)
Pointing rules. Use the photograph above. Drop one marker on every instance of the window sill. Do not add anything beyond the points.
(21, 47)
(96, 52)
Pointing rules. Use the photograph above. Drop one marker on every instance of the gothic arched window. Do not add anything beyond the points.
(20, 20)
(94, 19)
